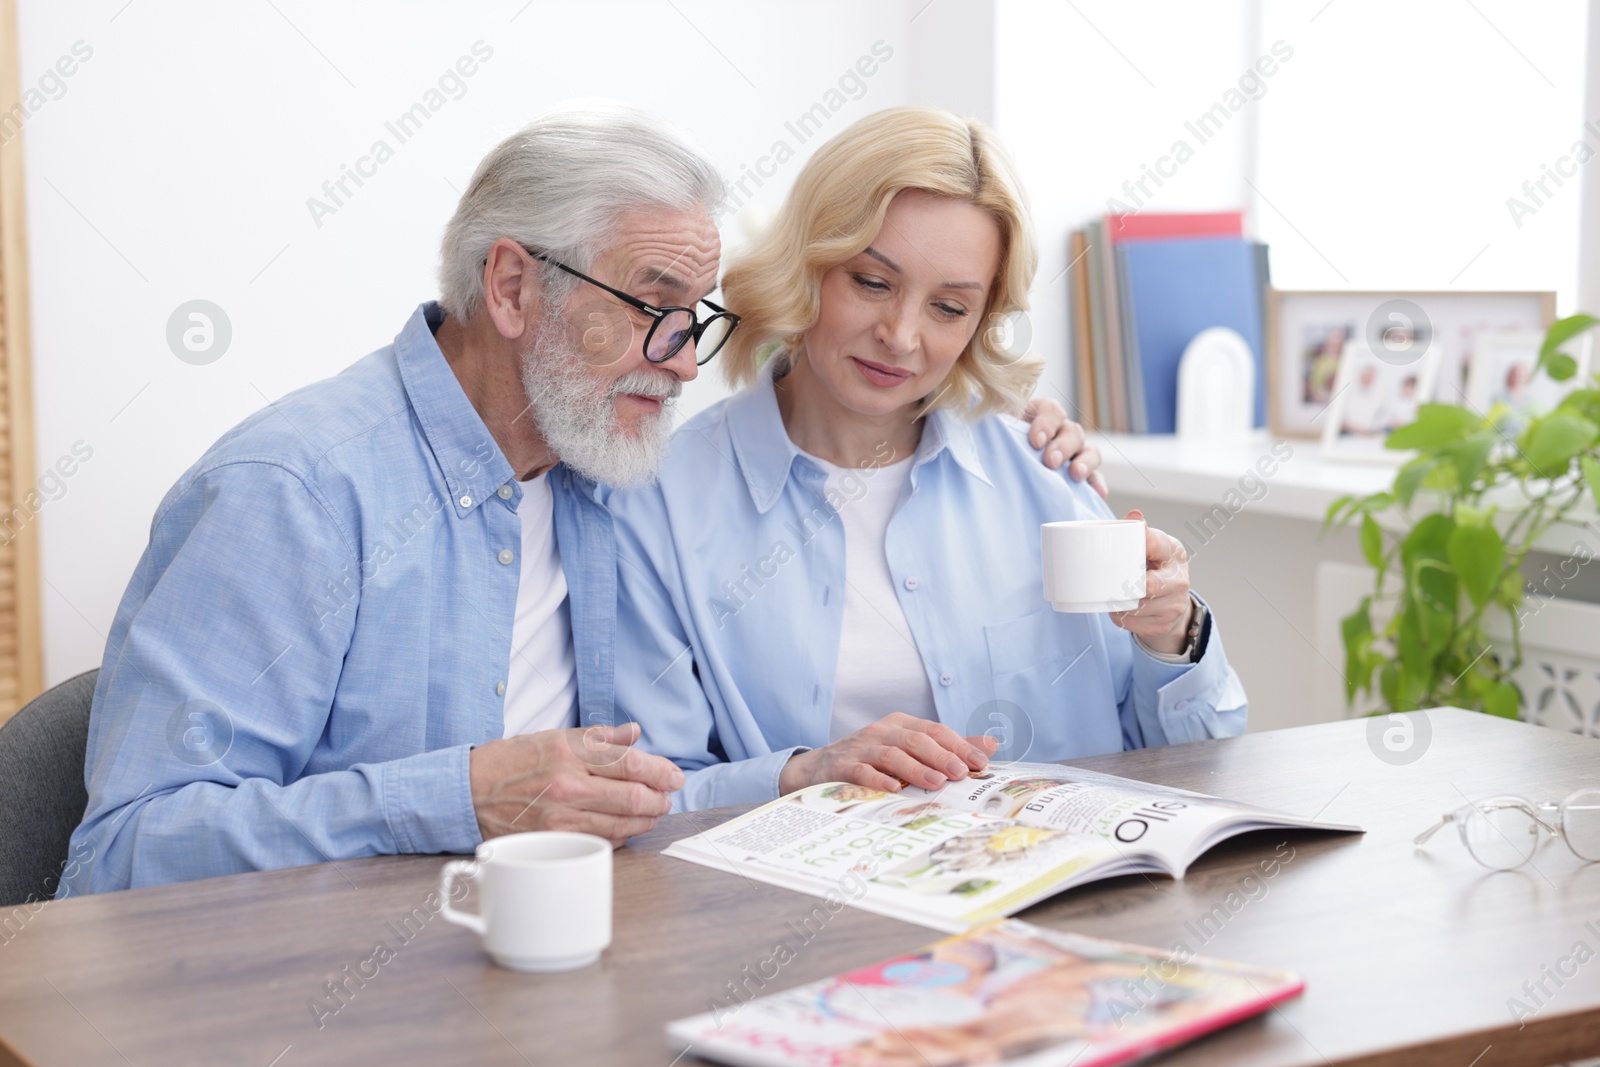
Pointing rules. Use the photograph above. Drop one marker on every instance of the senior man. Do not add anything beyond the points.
(370, 615)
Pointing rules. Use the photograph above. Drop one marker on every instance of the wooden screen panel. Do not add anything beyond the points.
(21, 650)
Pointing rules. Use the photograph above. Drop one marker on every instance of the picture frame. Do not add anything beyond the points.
(1307, 332)
(1374, 393)
(1502, 373)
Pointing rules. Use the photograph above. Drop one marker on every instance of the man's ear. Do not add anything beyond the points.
(512, 291)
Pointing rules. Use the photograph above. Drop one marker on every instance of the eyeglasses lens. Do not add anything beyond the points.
(1501, 837)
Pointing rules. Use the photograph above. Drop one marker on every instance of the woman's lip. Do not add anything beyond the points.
(878, 374)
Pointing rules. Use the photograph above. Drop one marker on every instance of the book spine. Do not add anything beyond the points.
(1097, 326)
(1082, 347)
(1113, 330)
(1138, 413)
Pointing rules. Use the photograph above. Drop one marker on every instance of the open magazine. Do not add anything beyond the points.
(1006, 992)
(976, 849)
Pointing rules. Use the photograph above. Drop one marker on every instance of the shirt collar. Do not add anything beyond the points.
(766, 453)
(473, 465)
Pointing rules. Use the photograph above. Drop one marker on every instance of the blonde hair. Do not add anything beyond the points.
(835, 210)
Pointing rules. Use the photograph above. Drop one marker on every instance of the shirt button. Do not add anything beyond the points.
(500, 689)
(506, 555)
(466, 501)
(1180, 705)
(911, 581)
(505, 492)
(947, 678)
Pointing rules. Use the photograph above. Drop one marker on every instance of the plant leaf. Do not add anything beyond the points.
(1560, 366)
(1477, 553)
(1511, 590)
(1409, 478)
(1356, 629)
(1333, 511)
(1431, 583)
(1552, 441)
(1585, 402)
(1435, 425)
(1502, 700)
(1389, 684)
(1561, 331)
(1371, 540)
(1471, 455)
(1591, 474)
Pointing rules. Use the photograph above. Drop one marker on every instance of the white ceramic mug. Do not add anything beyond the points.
(544, 899)
(1093, 565)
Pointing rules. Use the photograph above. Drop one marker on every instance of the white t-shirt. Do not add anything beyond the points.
(542, 688)
(880, 670)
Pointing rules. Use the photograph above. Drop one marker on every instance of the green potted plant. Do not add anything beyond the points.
(1483, 493)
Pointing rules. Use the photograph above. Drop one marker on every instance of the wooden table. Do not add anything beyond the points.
(1409, 957)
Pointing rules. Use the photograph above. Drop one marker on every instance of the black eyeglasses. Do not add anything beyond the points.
(671, 327)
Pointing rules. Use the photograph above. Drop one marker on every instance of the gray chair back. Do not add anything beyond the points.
(42, 795)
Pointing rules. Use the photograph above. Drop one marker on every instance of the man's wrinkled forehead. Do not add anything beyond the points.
(668, 252)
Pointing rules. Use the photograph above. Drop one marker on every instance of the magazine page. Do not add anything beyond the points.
(1005, 991)
(1173, 825)
(907, 855)
(977, 849)
(1168, 823)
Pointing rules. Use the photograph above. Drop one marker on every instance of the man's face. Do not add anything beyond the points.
(600, 404)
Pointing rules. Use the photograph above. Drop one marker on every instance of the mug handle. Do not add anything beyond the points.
(467, 869)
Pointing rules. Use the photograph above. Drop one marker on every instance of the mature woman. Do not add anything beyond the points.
(838, 576)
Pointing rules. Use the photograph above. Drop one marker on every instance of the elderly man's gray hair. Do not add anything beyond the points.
(559, 184)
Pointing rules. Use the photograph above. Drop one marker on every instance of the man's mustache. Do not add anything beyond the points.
(647, 383)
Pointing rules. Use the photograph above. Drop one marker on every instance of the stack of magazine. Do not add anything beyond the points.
(960, 859)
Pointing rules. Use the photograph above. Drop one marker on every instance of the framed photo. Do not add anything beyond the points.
(1373, 393)
(1501, 372)
(1307, 333)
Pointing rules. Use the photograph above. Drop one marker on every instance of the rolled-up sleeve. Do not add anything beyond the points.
(1170, 703)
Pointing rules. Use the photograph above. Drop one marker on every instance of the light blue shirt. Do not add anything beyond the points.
(731, 594)
(319, 631)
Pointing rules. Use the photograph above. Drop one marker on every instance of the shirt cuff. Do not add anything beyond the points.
(427, 800)
(1189, 702)
(746, 781)
(1196, 647)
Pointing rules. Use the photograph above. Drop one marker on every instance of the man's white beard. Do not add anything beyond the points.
(577, 415)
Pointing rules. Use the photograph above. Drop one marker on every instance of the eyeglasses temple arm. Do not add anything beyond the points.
(1422, 838)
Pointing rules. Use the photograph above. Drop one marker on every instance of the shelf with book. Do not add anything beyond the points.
(1264, 475)
(1257, 473)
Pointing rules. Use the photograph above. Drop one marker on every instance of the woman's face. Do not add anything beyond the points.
(893, 319)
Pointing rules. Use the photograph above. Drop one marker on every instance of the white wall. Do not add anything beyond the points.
(1088, 95)
(1399, 131)
(178, 163)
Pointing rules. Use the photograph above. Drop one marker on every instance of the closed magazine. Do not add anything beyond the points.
(1006, 991)
(976, 849)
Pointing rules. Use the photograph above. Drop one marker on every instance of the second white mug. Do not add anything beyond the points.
(544, 899)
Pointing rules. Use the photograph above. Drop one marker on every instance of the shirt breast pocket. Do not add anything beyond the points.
(1051, 691)
(1033, 643)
